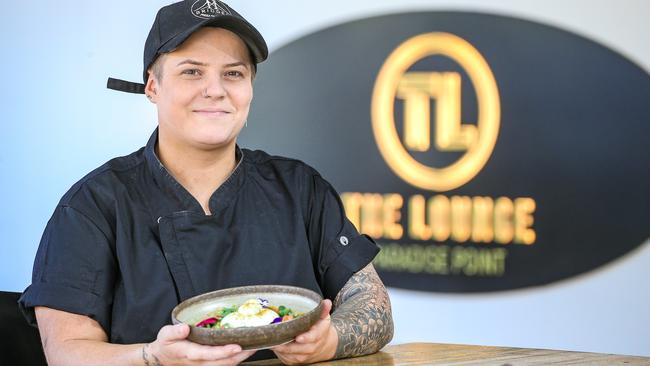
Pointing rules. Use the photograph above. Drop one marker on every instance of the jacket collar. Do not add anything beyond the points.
(182, 199)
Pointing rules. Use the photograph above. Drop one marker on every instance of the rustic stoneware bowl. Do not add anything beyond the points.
(195, 309)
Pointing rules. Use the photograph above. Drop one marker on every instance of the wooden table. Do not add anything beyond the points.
(451, 354)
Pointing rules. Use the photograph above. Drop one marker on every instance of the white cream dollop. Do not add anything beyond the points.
(249, 314)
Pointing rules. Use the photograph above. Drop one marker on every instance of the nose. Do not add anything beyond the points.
(214, 87)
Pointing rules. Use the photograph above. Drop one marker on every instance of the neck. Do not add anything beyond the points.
(199, 171)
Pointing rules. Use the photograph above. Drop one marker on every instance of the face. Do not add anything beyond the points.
(204, 91)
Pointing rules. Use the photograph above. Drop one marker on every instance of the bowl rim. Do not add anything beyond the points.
(294, 290)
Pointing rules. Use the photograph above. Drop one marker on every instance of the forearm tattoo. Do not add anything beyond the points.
(362, 315)
(146, 357)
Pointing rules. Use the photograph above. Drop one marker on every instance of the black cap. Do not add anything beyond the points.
(176, 22)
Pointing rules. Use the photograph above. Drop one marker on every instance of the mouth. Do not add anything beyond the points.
(211, 112)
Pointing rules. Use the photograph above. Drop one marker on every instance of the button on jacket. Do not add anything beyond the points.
(127, 243)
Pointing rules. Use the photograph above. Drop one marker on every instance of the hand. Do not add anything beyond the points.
(172, 348)
(317, 344)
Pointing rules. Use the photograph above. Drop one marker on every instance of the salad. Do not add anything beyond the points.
(252, 313)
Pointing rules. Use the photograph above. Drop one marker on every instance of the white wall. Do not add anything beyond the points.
(60, 122)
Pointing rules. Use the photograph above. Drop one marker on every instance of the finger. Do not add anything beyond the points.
(233, 360)
(241, 356)
(281, 348)
(317, 332)
(171, 333)
(327, 307)
(285, 360)
(198, 352)
(319, 328)
(293, 349)
(289, 360)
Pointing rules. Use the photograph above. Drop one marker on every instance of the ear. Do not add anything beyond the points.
(151, 89)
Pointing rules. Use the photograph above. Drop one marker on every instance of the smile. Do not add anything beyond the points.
(211, 112)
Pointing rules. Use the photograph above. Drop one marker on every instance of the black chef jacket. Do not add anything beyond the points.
(127, 243)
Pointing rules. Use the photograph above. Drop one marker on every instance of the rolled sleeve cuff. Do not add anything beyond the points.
(359, 252)
(66, 299)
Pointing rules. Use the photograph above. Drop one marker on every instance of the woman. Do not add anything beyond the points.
(191, 212)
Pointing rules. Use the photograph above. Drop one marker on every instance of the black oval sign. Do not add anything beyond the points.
(482, 152)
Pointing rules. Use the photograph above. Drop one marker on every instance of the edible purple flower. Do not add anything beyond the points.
(277, 320)
(205, 323)
(263, 302)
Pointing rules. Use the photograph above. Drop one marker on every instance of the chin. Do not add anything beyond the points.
(215, 140)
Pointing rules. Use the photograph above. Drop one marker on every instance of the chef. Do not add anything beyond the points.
(192, 212)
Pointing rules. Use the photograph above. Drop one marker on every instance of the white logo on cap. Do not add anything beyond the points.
(207, 9)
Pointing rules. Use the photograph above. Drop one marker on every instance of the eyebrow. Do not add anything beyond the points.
(197, 63)
(191, 62)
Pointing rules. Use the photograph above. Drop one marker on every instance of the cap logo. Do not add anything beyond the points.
(206, 9)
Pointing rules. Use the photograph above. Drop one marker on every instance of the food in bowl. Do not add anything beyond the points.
(251, 313)
(294, 299)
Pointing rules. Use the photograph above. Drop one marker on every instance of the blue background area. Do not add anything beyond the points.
(60, 121)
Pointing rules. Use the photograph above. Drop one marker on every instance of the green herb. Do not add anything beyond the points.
(229, 310)
(282, 310)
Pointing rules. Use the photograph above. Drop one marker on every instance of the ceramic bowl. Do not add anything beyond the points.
(195, 309)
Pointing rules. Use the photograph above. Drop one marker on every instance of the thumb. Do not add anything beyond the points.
(170, 333)
(327, 307)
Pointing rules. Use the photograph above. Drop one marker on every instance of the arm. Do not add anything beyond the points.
(362, 320)
(70, 339)
(361, 324)
(362, 315)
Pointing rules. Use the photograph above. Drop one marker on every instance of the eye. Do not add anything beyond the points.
(191, 72)
(234, 74)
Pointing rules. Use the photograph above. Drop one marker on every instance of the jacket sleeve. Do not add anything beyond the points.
(342, 251)
(74, 269)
